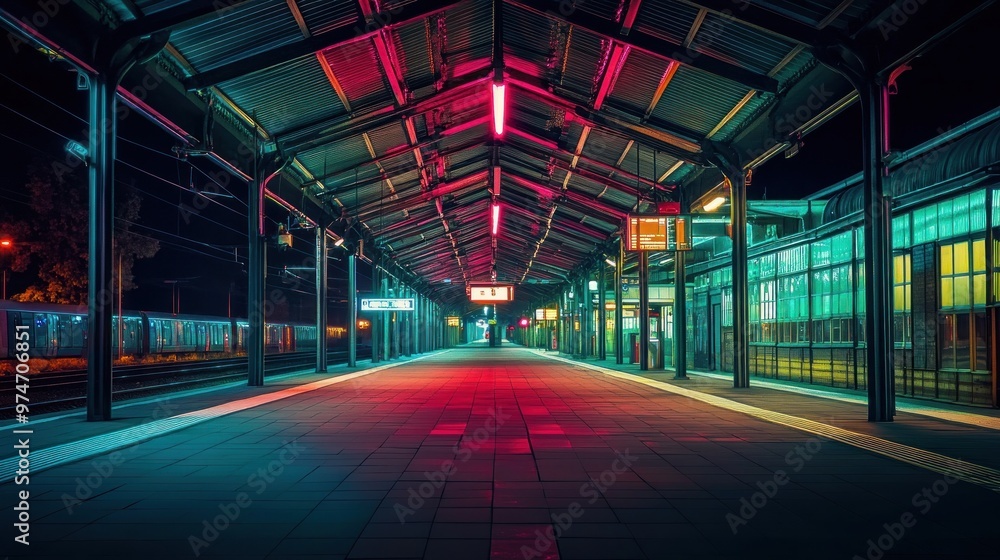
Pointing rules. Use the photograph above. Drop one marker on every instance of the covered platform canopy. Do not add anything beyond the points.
(382, 111)
(376, 119)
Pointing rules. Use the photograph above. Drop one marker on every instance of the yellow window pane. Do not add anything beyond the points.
(947, 292)
(962, 257)
(946, 260)
(898, 299)
(909, 266)
(898, 273)
(979, 255)
(908, 297)
(979, 289)
(962, 293)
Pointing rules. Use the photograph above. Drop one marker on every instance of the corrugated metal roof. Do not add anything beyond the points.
(557, 68)
(728, 39)
(716, 97)
(638, 81)
(322, 16)
(414, 54)
(287, 96)
(666, 19)
(586, 53)
(246, 29)
(469, 36)
(358, 71)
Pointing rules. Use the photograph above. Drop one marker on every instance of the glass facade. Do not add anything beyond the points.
(807, 303)
(962, 325)
(902, 300)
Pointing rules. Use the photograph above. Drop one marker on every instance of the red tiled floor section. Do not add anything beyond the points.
(499, 453)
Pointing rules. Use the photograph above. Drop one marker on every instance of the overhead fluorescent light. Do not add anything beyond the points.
(714, 204)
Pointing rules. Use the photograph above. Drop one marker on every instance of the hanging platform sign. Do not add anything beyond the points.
(492, 292)
(655, 232)
(386, 304)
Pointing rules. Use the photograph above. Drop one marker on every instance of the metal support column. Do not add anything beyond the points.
(878, 247)
(386, 319)
(741, 294)
(321, 299)
(352, 310)
(395, 320)
(418, 308)
(619, 312)
(728, 162)
(257, 271)
(680, 316)
(860, 69)
(993, 308)
(643, 311)
(102, 136)
(602, 313)
(257, 268)
(406, 324)
(583, 305)
(99, 289)
(376, 319)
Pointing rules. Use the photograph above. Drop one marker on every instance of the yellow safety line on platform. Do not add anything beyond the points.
(105, 443)
(962, 470)
(957, 416)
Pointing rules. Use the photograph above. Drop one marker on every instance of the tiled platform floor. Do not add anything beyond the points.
(484, 453)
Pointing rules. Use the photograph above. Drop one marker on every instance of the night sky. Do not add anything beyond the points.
(946, 88)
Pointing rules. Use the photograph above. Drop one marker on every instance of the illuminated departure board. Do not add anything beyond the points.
(386, 304)
(498, 292)
(652, 232)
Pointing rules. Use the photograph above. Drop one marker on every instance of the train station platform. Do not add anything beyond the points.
(507, 453)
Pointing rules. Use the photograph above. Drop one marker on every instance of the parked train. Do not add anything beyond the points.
(61, 331)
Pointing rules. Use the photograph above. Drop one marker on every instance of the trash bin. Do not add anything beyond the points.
(633, 343)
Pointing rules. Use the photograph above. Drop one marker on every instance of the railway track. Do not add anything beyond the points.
(67, 390)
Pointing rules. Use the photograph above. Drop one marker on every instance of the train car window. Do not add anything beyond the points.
(41, 324)
(168, 334)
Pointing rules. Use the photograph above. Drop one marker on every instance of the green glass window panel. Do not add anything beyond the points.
(919, 229)
(768, 265)
(931, 223)
(979, 289)
(821, 253)
(859, 240)
(945, 220)
(996, 208)
(901, 231)
(841, 249)
(977, 211)
(960, 211)
(753, 269)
